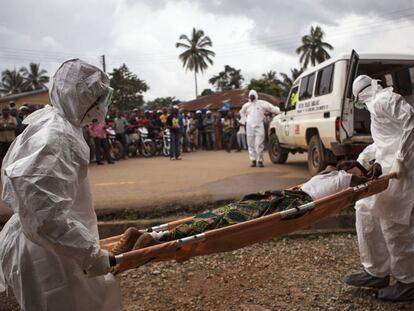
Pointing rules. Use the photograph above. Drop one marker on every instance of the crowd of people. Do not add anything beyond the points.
(189, 131)
(11, 124)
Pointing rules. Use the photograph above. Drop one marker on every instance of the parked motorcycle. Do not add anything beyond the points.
(158, 139)
(116, 150)
(140, 143)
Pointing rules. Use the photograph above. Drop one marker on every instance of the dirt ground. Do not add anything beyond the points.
(286, 274)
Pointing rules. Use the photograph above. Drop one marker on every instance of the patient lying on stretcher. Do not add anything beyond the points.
(331, 180)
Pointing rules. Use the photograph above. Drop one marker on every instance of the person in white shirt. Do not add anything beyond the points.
(254, 114)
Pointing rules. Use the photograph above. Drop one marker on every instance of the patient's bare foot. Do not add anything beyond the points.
(127, 241)
(145, 240)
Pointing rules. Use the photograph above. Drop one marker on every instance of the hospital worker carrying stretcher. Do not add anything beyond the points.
(49, 250)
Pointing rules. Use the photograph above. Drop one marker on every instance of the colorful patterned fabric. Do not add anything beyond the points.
(250, 207)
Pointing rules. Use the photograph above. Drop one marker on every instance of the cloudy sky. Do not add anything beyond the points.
(251, 35)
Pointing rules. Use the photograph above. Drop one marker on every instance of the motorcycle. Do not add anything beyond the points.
(158, 139)
(116, 150)
(140, 143)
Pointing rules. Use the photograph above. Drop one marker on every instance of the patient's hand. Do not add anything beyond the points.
(357, 180)
(374, 171)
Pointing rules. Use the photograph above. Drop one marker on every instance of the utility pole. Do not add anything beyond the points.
(103, 63)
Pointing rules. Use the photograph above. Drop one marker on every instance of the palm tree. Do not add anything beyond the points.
(269, 76)
(35, 78)
(196, 54)
(12, 82)
(313, 49)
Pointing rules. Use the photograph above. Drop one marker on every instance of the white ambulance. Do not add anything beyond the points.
(319, 117)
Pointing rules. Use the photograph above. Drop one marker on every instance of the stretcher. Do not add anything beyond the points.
(244, 234)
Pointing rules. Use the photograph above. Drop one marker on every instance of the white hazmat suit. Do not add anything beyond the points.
(254, 113)
(385, 221)
(49, 249)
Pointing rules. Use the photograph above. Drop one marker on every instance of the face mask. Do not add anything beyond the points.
(252, 98)
(359, 104)
(99, 109)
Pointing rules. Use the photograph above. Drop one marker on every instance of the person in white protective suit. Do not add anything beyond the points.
(254, 113)
(385, 222)
(49, 250)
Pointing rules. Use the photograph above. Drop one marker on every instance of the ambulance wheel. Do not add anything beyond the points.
(277, 154)
(316, 155)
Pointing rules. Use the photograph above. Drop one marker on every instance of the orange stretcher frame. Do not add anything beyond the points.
(246, 233)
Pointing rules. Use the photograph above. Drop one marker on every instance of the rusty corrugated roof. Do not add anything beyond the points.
(236, 99)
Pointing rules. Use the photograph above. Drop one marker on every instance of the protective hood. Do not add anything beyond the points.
(77, 85)
(365, 88)
(254, 93)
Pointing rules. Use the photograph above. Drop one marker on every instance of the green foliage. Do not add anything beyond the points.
(313, 49)
(161, 102)
(35, 78)
(206, 92)
(196, 55)
(268, 84)
(128, 88)
(12, 82)
(228, 79)
(23, 80)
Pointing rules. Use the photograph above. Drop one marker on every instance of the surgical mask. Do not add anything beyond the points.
(359, 104)
(252, 98)
(99, 109)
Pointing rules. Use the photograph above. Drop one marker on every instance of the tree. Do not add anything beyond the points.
(270, 75)
(313, 49)
(128, 88)
(161, 102)
(264, 86)
(228, 79)
(287, 81)
(196, 55)
(206, 92)
(12, 82)
(35, 78)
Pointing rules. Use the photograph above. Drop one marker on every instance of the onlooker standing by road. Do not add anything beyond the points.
(185, 119)
(174, 123)
(241, 134)
(164, 117)
(227, 131)
(192, 133)
(200, 129)
(209, 130)
(98, 133)
(8, 126)
(218, 131)
(156, 124)
(120, 124)
(234, 127)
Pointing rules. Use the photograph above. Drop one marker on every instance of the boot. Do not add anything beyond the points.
(364, 279)
(260, 164)
(253, 164)
(397, 292)
(127, 241)
(145, 240)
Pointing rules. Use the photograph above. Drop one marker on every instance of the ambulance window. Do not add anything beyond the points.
(306, 87)
(405, 81)
(325, 81)
(293, 99)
